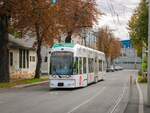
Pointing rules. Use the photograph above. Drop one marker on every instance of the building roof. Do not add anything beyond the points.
(24, 43)
(126, 44)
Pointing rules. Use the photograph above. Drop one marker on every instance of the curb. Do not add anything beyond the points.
(32, 84)
(141, 103)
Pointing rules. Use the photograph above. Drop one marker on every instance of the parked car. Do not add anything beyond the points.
(117, 68)
(110, 69)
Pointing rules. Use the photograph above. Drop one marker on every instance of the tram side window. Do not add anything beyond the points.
(100, 65)
(75, 66)
(104, 65)
(84, 65)
(80, 65)
(90, 65)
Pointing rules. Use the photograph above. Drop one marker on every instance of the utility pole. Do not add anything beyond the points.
(148, 74)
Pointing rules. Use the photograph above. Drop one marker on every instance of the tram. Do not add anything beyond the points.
(73, 65)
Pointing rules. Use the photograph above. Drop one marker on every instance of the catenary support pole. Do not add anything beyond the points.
(148, 74)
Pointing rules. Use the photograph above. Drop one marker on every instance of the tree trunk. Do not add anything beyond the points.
(4, 52)
(107, 62)
(38, 52)
(68, 38)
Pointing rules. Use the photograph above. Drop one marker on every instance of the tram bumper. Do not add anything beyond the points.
(62, 83)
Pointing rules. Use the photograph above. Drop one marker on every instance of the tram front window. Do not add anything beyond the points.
(62, 63)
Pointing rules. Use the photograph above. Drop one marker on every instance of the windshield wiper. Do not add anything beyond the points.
(59, 76)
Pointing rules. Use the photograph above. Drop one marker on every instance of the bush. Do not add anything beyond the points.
(140, 73)
(144, 64)
(142, 79)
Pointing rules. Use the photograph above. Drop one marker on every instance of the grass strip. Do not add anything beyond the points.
(13, 83)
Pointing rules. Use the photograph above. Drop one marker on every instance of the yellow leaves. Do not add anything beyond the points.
(65, 16)
(76, 14)
(108, 43)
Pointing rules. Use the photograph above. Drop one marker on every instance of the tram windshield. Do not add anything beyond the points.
(61, 63)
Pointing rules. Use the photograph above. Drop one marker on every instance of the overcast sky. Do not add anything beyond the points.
(117, 15)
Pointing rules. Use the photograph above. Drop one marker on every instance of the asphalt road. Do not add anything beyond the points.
(108, 96)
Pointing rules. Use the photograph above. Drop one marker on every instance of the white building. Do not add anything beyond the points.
(22, 58)
(129, 58)
(23, 55)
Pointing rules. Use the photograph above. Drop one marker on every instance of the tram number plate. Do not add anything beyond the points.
(60, 84)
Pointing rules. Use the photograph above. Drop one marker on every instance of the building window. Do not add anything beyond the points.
(32, 58)
(45, 59)
(11, 58)
(23, 58)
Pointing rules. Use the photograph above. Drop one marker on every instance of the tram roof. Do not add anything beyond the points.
(58, 45)
(73, 46)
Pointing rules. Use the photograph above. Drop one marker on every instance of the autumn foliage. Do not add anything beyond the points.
(44, 20)
(108, 44)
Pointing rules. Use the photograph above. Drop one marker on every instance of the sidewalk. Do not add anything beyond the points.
(144, 91)
(134, 99)
(133, 103)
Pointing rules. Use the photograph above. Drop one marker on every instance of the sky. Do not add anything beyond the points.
(117, 13)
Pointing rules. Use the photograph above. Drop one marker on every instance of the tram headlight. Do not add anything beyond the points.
(54, 76)
(68, 76)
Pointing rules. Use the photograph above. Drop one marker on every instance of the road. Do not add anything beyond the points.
(108, 96)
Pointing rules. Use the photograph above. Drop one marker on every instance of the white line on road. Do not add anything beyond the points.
(118, 100)
(141, 107)
(87, 101)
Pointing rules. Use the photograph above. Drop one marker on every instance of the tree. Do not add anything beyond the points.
(108, 44)
(38, 18)
(138, 27)
(104, 41)
(44, 20)
(48, 20)
(4, 23)
(42, 24)
(28, 16)
(76, 14)
(115, 50)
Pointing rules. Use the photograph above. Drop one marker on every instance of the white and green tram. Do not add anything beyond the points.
(73, 65)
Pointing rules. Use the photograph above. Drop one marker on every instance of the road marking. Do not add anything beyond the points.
(141, 107)
(118, 100)
(87, 101)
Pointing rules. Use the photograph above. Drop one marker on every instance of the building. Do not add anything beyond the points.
(128, 58)
(44, 54)
(22, 54)
(85, 37)
(22, 58)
